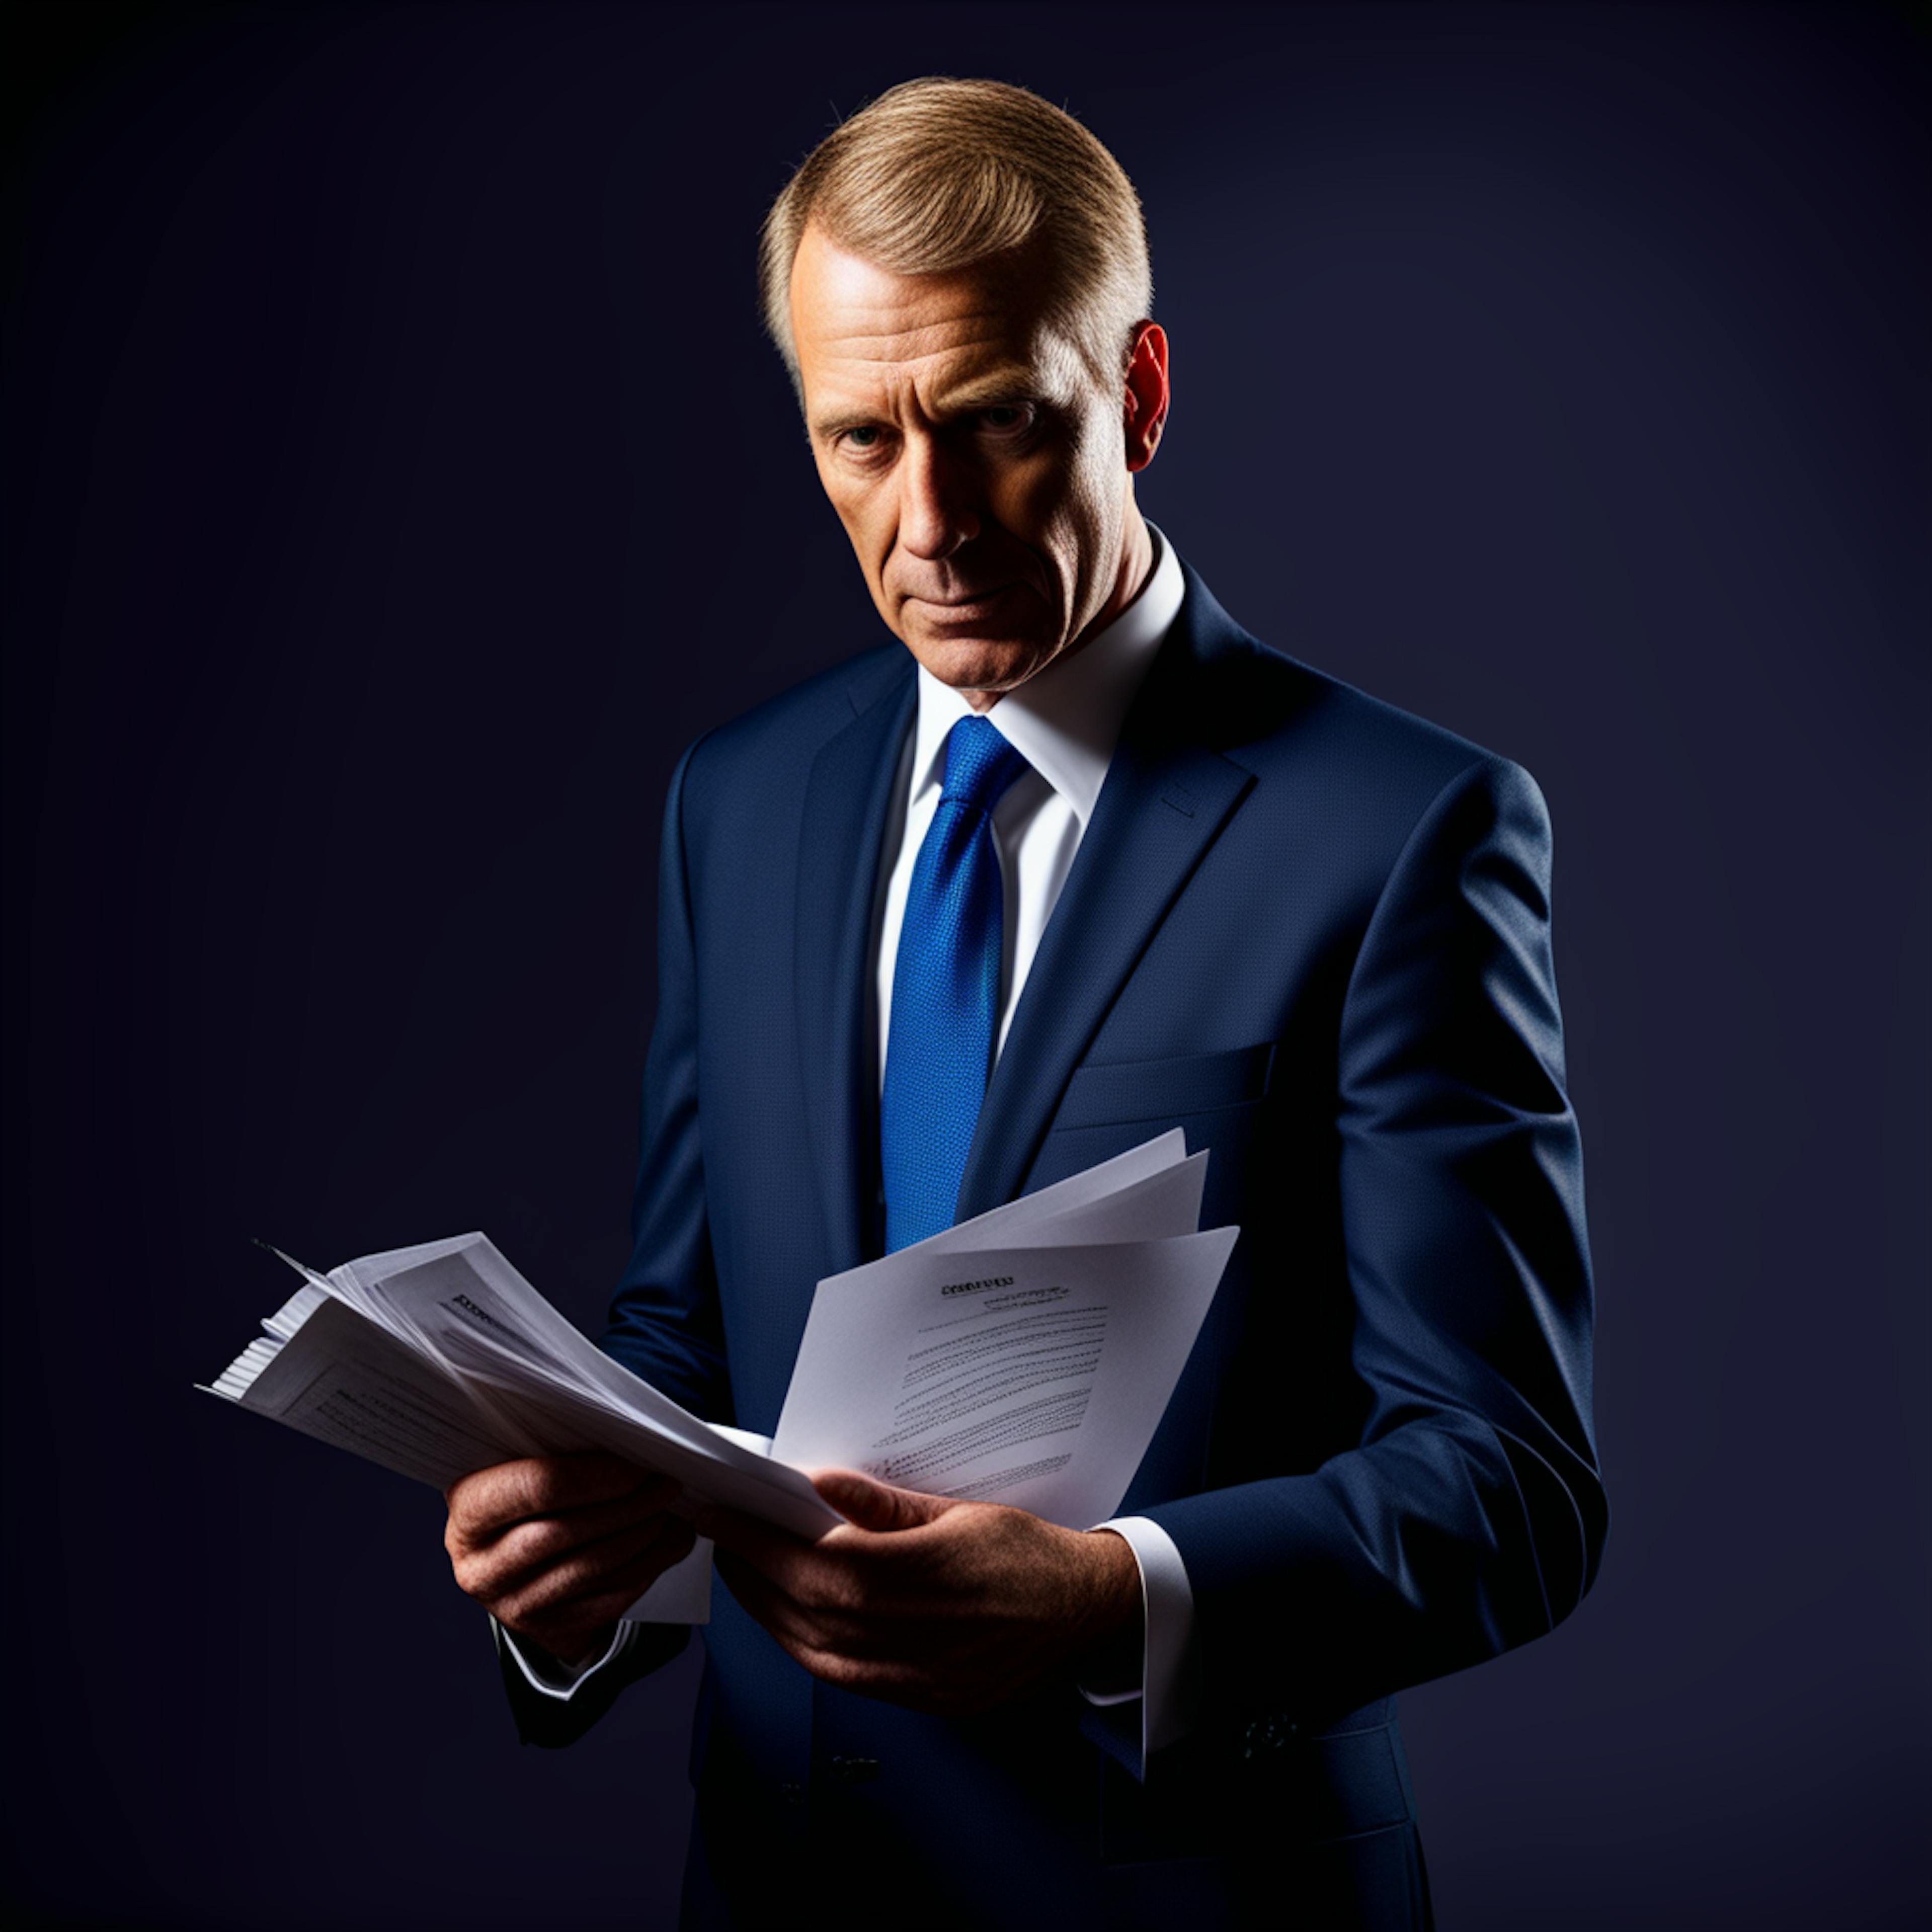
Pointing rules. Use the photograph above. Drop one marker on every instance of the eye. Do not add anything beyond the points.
(1006, 418)
(863, 440)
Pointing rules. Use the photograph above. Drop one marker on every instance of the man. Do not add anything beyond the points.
(1083, 832)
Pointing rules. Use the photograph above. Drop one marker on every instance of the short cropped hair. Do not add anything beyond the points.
(940, 174)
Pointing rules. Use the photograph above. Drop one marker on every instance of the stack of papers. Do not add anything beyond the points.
(1026, 1357)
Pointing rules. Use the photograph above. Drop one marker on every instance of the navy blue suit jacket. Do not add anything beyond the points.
(1313, 931)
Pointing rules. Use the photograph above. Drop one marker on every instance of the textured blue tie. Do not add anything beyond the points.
(946, 990)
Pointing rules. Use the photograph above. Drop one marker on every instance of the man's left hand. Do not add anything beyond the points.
(949, 1607)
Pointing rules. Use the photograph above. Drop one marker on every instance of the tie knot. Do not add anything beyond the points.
(979, 764)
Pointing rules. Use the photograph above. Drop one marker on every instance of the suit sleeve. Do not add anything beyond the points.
(664, 1320)
(1470, 1516)
(664, 1323)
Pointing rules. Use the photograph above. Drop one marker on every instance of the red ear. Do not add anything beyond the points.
(1144, 412)
(875, 1505)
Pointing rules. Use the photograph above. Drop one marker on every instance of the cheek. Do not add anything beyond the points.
(1047, 505)
(1071, 489)
(868, 525)
(1071, 525)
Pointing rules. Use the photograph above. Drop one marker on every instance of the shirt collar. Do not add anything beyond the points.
(1065, 720)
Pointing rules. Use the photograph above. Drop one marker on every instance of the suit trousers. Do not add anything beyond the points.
(1275, 1829)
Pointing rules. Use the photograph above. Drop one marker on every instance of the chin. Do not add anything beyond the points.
(980, 664)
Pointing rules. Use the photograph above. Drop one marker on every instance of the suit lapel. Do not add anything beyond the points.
(1167, 795)
(848, 797)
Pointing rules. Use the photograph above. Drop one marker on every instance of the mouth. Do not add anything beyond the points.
(963, 610)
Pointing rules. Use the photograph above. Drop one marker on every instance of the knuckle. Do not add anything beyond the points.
(527, 1487)
(474, 1582)
(537, 1542)
(815, 1586)
(581, 1576)
(558, 1581)
(511, 1551)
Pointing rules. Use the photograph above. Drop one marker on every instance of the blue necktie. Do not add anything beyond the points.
(946, 990)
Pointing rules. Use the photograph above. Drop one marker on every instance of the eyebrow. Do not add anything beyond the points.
(845, 419)
(1017, 382)
(994, 389)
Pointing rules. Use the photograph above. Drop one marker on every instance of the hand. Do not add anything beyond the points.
(950, 1607)
(556, 1548)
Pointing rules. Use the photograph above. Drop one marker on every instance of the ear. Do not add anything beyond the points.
(1145, 412)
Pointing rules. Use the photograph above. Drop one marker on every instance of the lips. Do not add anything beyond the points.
(951, 611)
(975, 602)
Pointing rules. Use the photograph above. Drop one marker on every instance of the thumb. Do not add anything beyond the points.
(871, 1505)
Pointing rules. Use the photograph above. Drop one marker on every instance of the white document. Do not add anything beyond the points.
(487, 1323)
(1089, 1189)
(352, 1384)
(1025, 1358)
(438, 1360)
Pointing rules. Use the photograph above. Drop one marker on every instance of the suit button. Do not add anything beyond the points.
(855, 1770)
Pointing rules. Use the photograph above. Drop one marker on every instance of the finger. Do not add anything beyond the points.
(527, 1549)
(488, 1500)
(623, 1566)
(826, 1602)
(516, 1566)
(772, 1550)
(849, 1577)
(543, 1485)
(775, 1551)
(573, 1630)
(877, 1506)
(780, 1614)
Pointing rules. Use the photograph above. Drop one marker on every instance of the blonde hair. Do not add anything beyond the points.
(939, 174)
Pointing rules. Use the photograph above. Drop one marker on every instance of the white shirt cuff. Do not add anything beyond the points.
(548, 1677)
(1166, 1689)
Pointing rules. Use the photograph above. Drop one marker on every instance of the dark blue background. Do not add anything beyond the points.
(397, 481)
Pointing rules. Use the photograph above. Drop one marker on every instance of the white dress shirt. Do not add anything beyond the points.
(1065, 721)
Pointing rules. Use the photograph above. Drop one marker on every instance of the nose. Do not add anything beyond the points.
(939, 511)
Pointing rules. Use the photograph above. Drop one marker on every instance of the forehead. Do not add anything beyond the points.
(865, 336)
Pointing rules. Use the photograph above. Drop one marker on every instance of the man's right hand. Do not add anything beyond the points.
(556, 1548)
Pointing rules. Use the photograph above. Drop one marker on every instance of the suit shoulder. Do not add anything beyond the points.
(1322, 752)
(1285, 717)
(794, 723)
(1309, 699)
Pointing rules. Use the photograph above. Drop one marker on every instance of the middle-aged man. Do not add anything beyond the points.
(1075, 861)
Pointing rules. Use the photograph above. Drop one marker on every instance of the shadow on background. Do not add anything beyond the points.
(397, 481)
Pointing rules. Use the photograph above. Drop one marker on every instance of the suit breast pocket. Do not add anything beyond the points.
(1122, 1092)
